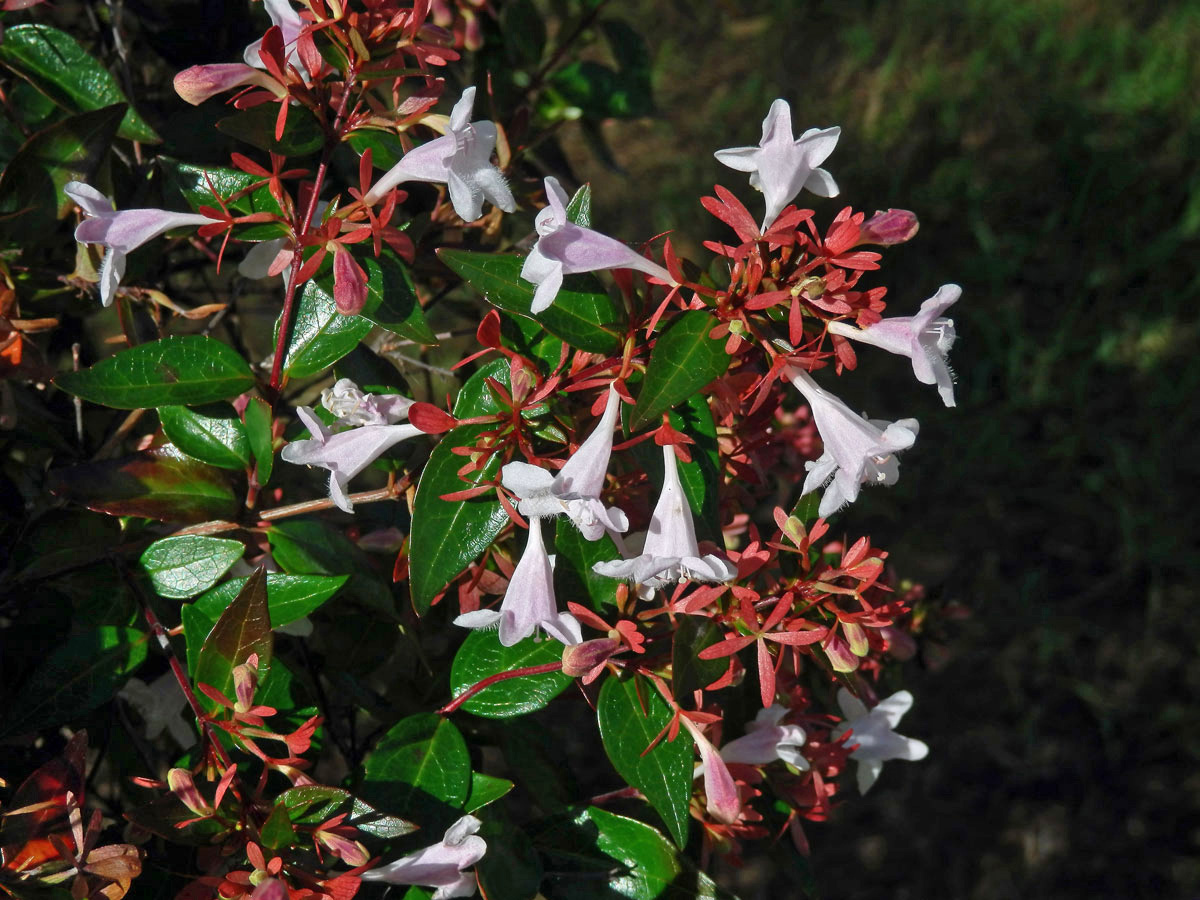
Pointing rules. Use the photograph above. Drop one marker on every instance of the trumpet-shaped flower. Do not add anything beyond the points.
(160, 704)
(925, 338)
(875, 736)
(564, 248)
(766, 740)
(781, 166)
(440, 866)
(460, 159)
(368, 430)
(856, 450)
(723, 802)
(671, 552)
(121, 232)
(290, 25)
(529, 603)
(575, 490)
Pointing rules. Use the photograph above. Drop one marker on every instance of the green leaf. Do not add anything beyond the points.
(289, 597)
(482, 656)
(580, 852)
(277, 831)
(314, 804)
(583, 314)
(183, 566)
(448, 535)
(55, 63)
(806, 508)
(258, 433)
(689, 673)
(392, 299)
(176, 370)
(31, 185)
(386, 149)
(212, 434)
(302, 134)
(81, 674)
(631, 714)
(524, 30)
(320, 334)
(684, 360)
(198, 183)
(579, 210)
(485, 789)
(244, 628)
(475, 397)
(159, 484)
(574, 578)
(421, 769)
(511, 869)
(312, 547)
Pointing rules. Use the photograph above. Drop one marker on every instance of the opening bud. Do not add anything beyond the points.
(887, 228)
(580, 659)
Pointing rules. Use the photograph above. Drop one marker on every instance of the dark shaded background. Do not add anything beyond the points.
(1051, 151)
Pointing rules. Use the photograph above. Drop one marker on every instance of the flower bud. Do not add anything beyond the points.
(887, 228)
(580, 659)
(181, 784)
(351, 852)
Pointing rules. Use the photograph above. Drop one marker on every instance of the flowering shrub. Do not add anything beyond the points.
(599, 509)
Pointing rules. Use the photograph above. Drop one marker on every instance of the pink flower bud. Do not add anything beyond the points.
(352, 853)
(887, 228)
(349, 284)
(181, 784)
(581, 659)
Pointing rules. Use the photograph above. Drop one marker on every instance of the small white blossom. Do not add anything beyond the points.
(874, 734)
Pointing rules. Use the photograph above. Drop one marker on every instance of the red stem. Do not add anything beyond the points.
(494, 679)
(289, 298)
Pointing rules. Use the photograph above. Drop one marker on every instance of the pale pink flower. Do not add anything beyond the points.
(460, 159)
(160, 704)
(671, 552)
(925, 338)
(856, 450)
(781, 166)
(874, 734)
(121, 232)
(575, 490)
(723, 803)
(564, 248)
(290, 25)
(440, 866)
(353, 408)
(766, 740)
(529, 602)
(198, 83)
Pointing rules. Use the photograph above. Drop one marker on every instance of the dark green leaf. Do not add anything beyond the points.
(631, 714)
(158, 484)
(82, 673)
(183, 566)
(524, 30)
(421, 769)
(475, 397)
(806, 508)
(314, 804)
(485, 789)
(176, 370)
(574, 578)
(392, 299)
(212, 434)
(277, 831)
(580, 853)
(386, 149)
(511, 869)
(31, 186)
(56, 64)
(482, 655)
(579, 210)
(583, 314)
(302, 134)
(689, 673)
(289, 597)
(258, 433)
(244, 628)
(684, 360)
(312, 547)
(197, 184)
(320, 334)
(448, 535)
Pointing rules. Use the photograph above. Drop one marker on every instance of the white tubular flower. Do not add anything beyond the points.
(766, 740)
(160, 704)
(874, 733)
(440, 866)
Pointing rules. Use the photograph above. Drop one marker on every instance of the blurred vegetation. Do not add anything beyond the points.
(1050, 148)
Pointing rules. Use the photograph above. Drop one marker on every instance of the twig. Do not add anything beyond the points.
(77, 401)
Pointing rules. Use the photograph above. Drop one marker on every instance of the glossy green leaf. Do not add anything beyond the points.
(212, 434)
(475, 397)
(31, 186)
(689, 672)
(159, 484)
(277, 832)
(574, 578)
(56, 63)
(258, 434)
(684, 360)
(631, 714)
(418, 769)
(583, 314)
(485, 789)
(320, 334)
(183, 566)
(447, 535)
(511, 869)
(176, 370)
(392, 298)
(82, 673)
(579, 210)
(289, 597)
(244, 628)
(598, 855)
(386, 149)
(806, 508)
(314, 804)
(313, 547)
(482, 656)
(301, 136)
(203, 185)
